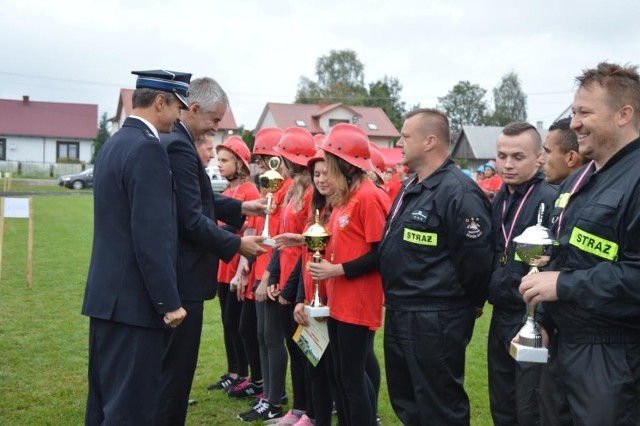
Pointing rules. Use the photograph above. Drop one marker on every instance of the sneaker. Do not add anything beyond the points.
(288, 419)
(231, 383)
(260, 396)
(253, 406)
(304, 421)
(219, 384)
(378, 420)
(245, 389)
(263, 411)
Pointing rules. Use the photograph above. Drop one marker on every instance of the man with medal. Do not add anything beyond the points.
(591, 294)
(513, 385)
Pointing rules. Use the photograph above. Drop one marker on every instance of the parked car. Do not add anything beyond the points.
(218, 183)
(78, 180)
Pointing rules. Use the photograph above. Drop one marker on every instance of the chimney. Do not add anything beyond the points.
(323, 103)
(25, 99)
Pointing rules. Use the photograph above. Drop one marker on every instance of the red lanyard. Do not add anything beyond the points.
(573, 190)
(507, 238)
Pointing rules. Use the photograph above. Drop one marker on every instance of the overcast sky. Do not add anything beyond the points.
(82, 51)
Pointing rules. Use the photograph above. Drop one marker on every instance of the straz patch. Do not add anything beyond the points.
(593, 244)
(419, 216)
(473, 228)
(419, 237)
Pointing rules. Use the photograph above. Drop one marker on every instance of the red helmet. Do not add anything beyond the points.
(313, 160)
(236, 145)
(266, 140)
(319, 140)
(350, 143)
(296, 145)
(377, 160)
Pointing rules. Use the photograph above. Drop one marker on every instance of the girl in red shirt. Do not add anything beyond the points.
(354, 287)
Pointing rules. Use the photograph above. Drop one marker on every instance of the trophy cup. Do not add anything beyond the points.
(271, 181)
(533, 247)
(316, 239)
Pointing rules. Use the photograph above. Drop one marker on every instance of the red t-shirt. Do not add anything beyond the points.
(393, 186)
(354, 228)
(493, 184)
(293, 221)
(245, 192)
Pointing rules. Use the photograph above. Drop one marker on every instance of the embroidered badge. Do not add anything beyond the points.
(419, 216)
(343, 221)
(473, 228)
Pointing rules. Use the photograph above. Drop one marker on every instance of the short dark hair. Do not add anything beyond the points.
(568, 139)
(435, 121)
(518, 128)
(144, 97)
(621, 82)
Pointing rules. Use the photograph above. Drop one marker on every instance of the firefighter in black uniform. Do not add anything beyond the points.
(591, 294)
(513, 385)
(435, 262)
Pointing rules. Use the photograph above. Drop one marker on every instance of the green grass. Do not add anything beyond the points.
(43, 337)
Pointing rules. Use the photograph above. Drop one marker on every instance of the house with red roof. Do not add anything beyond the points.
(227, 127)
(46, 132)
(320, 118)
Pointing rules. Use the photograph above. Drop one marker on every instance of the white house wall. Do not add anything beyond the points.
(42, 150)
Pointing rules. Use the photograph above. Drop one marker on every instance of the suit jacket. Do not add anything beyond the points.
(132, 275)
(201, 242)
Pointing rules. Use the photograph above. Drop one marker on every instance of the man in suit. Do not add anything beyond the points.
(201, 242)
(131, 293)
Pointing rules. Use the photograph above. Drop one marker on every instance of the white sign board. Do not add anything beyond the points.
(16, 207)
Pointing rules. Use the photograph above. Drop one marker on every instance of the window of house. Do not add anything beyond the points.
(70, 150)
(301, 123)
(334, 121)
(3, 149)
(372, 126)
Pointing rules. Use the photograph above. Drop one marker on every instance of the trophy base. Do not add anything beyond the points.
(527, 354)
(270, 242)
(316, 312)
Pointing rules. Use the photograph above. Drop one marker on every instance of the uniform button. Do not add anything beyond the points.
(160, 304)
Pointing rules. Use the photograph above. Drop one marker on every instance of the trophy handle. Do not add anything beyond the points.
(274, 163)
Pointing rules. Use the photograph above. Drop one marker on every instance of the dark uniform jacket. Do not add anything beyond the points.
(505, 280)
(132, 275)
(436, 252)
(201, 242)
(599, 251)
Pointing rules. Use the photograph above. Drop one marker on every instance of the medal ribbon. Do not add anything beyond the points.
(507, 238)
(395, 211)
(574, 189)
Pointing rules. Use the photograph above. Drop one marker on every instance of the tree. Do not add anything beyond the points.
(385, 94)
(340, 79)
(464, 105)
(510, 102)
(101, 137)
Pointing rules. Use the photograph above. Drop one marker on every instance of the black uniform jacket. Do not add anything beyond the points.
(132, 275)
(599, 249)
(201, 242)
(505, 280)
(436, 250)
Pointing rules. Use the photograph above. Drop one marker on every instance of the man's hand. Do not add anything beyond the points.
(299, 315)
(288, 239)
(174, 318)
(250, 246)
(255, 207)
(324, 270)
(540, 287)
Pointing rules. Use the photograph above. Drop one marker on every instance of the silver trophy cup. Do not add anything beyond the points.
(533, 247)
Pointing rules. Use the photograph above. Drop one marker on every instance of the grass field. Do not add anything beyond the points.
(43, 337)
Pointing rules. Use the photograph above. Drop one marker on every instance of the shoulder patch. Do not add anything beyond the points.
(473, 229)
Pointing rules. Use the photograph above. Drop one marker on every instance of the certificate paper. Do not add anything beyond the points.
(312, 339)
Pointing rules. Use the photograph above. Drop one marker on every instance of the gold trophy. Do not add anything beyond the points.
(316, 239)
(533, 247)
(271, 181)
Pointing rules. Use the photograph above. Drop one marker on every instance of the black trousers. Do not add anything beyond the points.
(513, 386)
(425, 355)
(591, 384)
(249, 334)
(125, 364)
(179, 365)
(230, 310)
